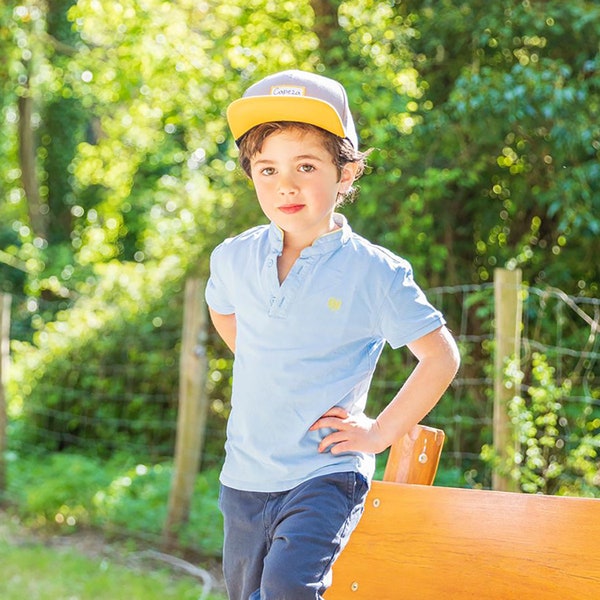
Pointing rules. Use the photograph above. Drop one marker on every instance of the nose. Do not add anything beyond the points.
(287, 185)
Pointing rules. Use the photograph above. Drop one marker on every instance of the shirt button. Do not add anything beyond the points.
(272, 300)
(270, 262)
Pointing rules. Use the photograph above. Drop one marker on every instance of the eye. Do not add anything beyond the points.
(306, 168)
(267, 171)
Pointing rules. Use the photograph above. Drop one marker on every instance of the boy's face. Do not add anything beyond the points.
(297, 184)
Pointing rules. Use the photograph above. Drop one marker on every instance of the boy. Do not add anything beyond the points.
(307, 305)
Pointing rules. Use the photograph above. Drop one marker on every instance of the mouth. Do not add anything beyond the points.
(290, 209)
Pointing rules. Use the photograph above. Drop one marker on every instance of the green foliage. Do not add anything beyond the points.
(501, 165)
(12, 216)
(56, 491)
(482, 116)
(552, 453)
(66, 492)
(106, 370)
(137, 501)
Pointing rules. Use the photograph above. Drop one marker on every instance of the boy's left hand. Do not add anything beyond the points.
(354, 433)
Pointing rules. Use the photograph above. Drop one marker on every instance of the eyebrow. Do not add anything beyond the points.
(308, 157)
(267, 161)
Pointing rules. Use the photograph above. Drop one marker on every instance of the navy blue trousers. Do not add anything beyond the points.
(281, 546)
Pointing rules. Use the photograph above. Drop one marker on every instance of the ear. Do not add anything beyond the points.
(348, 176)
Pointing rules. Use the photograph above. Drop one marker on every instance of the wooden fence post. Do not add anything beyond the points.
(5, 301)
(193, 409)
(508, 308)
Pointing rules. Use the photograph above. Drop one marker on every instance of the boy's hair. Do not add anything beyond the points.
(341, 150)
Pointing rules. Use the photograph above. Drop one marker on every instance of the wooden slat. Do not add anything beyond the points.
(432, 542)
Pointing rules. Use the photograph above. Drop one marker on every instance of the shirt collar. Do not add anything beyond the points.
(324, 244)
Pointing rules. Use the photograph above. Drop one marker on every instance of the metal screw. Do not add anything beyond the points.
(354, 587)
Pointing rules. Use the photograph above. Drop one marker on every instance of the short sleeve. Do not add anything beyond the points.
(406, 314)
(218, 294)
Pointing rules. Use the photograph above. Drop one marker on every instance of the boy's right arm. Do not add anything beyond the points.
(225, 326)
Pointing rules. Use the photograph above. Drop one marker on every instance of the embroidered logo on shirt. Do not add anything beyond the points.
(334, 304)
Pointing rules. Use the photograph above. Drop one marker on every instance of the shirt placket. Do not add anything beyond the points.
(282, 296)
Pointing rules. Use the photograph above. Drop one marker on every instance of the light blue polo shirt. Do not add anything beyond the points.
(306, 345)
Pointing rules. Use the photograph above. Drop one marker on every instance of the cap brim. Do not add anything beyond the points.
(246, 113)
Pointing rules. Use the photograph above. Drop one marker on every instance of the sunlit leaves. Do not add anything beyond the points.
(162, 74)
(553, 452)
(504, 94)
(513, 106)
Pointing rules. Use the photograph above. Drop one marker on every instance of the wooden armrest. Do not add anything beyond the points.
(415, 457)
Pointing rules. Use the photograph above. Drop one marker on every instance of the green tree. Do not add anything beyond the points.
(507, 154)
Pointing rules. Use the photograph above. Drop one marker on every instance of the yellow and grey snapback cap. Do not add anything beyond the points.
(294, 96)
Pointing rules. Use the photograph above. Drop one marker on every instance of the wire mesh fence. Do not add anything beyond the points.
(125, 399)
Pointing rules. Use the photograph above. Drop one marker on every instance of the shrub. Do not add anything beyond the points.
(104, 374)
(65, 492)
(553, 452)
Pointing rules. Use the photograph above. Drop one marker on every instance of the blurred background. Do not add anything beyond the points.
(118, 176)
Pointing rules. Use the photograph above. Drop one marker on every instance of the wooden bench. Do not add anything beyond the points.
(423, 542)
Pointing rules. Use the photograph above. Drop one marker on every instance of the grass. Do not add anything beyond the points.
(33, 570)
(59, 506)
(39, 573)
